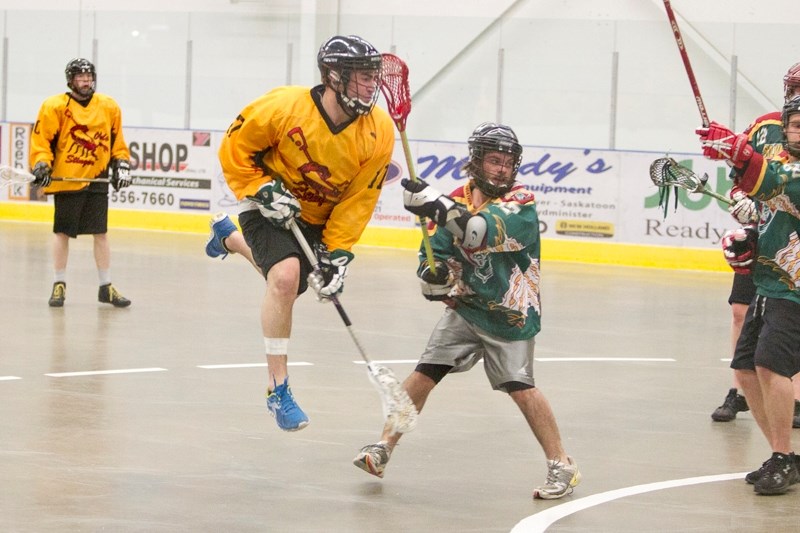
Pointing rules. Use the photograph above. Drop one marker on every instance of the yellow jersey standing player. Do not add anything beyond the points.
(315, 155)
(78, 134)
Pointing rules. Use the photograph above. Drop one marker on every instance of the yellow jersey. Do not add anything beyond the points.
(77, 140)
(336, 173)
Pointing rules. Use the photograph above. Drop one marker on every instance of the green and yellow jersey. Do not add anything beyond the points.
(776, 184)
(497, 287)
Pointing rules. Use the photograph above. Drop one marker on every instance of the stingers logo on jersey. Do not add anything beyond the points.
(315, 186)
(83, 148)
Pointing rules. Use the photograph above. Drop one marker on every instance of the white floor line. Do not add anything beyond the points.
(554, 360)
(103, 372)
(9, 378)
(250, 365)
(541, 521)
(604, 359)
(390, 361)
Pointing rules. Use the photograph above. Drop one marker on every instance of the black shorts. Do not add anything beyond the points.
(80, 213)
(743, 290)
(770, 337)
(270, 244)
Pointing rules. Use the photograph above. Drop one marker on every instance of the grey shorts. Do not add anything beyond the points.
(457, 343)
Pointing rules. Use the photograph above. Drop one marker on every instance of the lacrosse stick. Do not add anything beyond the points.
(666, 172)
(394, 86)
(10, 175)
(689, 72)
(398, 409)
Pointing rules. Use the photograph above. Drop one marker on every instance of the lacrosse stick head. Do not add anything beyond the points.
(394, 86)
(9, 175)
(399, 411)
(667, 174)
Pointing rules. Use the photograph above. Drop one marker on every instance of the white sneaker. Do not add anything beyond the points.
(561, 479)
(373, 458)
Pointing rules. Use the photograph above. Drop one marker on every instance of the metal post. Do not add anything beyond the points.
(734, 91)
(289, 50)
(5, 80)
(612, 122)
(500, 70)
(187, 117)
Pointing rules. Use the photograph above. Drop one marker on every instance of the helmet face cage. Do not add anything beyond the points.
(490, 137)
(80, 66)
(791, 81)
(792, 107)
(338, 60)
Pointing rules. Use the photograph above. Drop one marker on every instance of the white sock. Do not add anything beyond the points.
(60, 275)
(104, 276)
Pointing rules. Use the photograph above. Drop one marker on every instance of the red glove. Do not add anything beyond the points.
(739, 247)
(719, 142)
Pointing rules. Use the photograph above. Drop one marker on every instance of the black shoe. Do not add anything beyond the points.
(780, 472)
(796, 419)
(734, 403)
(58, 295)
(109, 295)
(755, 475)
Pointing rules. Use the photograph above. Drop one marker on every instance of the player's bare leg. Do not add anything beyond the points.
(276, 324)
(562, 472)
(236, 244)
(540, 418)
(60, 250)
(374, 457)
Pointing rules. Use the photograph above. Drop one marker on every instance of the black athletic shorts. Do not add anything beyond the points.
(80, 213)
(743, 290)
(270, 244)
(770, 337)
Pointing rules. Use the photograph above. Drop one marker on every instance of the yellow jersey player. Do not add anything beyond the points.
(78, 136)
(317, 156)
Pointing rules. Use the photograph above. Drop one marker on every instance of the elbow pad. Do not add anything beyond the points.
(468, 228)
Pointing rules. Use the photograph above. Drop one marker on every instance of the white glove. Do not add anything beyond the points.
(328, 279)
(744, 210)
(276, 203)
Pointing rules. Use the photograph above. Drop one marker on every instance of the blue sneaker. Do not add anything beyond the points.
(221, 228)
(284, 409)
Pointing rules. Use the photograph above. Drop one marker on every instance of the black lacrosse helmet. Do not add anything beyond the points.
(792, 107)
(337, 59)
(491, 137)
(79, 66)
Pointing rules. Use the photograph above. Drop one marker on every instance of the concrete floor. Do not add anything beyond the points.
(175, 443)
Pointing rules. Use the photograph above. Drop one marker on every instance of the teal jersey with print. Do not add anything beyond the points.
(776, 184)
(497, 286)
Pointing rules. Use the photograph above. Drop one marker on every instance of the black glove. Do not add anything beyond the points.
(42, 172)
(436, 287)
(120, 174)
(425, 201)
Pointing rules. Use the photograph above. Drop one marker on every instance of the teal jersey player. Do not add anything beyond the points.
(496, 287)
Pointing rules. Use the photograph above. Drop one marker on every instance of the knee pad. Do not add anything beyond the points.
(435, 372)
(514, 386)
